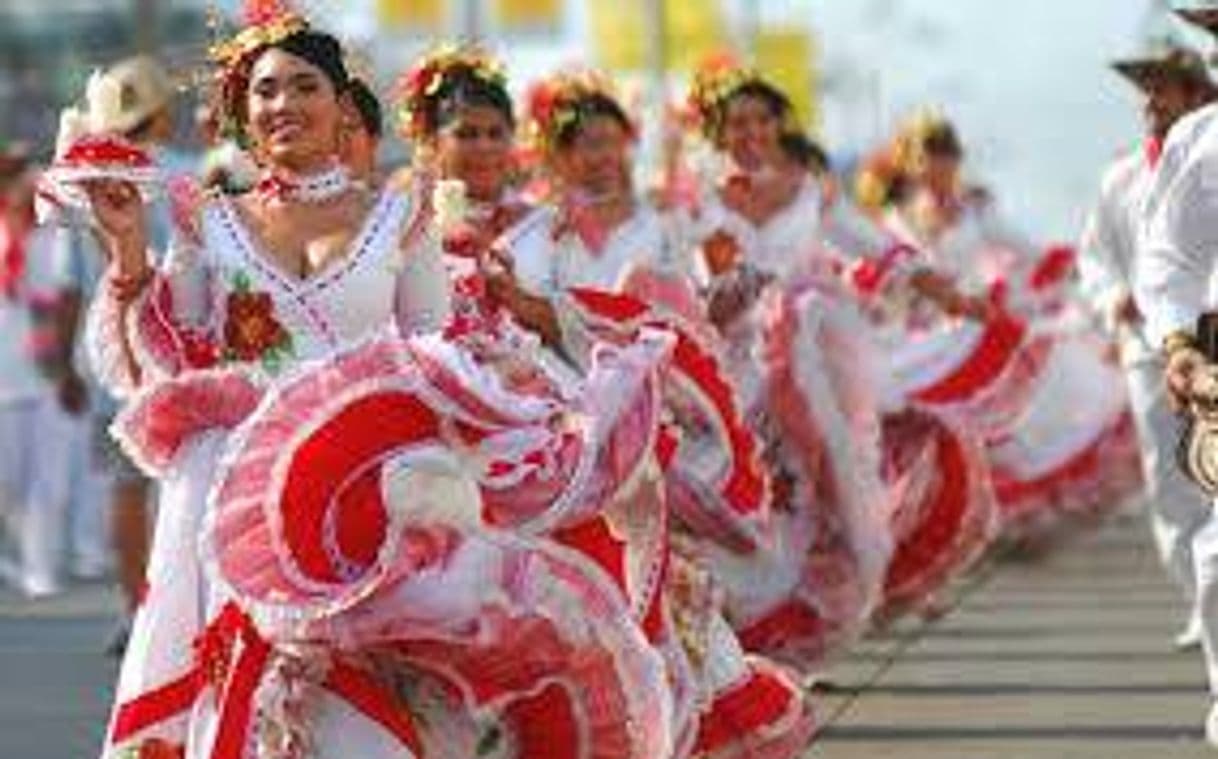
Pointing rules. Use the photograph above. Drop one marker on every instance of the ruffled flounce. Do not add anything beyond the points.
(1074, 449)
(157, 424)
(822, 573)
(944, 513)
(717, 483)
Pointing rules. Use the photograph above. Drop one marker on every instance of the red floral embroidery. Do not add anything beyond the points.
(251, 330)
(155, 748)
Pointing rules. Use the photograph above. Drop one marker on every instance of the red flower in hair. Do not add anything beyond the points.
(260, 12)
(424, 80)
(542, 99)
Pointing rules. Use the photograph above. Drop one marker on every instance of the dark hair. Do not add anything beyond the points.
(942, 141)
(369, 108)
(318, 48)
(775, 100)
(464, 88)
(590, 106)
(805, 151)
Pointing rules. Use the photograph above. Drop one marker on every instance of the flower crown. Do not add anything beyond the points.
(909, 145)
(554, 105)
(715, 81)
(266, 22)
(419, 86)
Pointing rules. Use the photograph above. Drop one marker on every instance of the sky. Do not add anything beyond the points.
(1027, 83)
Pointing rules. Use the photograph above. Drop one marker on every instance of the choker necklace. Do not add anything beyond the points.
(311, 189)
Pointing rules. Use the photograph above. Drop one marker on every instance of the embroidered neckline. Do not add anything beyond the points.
(311, 189)
(253, 250)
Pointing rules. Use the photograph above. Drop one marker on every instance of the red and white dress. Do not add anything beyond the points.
(618, 287)
(355, 552)
(941, 507)
(1052, 413)
(802, 364)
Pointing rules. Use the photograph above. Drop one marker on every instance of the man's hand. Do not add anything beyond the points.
(1183, 366)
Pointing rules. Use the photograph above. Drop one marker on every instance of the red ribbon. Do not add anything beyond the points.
(12, 255)
(106, 151)
(236, 681)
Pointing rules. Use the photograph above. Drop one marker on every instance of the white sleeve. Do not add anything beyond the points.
(131, 345)
(852, 234)
(1178, 244)
(423, 291)
(1102, 281)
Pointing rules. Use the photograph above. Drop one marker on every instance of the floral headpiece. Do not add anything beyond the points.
(715, 81)
(900, 159)
(265, 22)
(910, 145)
(554, 105)
(419, 86)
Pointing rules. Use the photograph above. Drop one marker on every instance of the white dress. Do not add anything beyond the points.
(325, 580)
(206, 282)
(804, 370)
(645, 255)
(1053, 413)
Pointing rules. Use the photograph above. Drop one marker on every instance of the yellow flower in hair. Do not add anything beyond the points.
(426, 78)
(554, 103)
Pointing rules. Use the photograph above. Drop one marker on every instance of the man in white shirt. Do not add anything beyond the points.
(34, 412)
(1176, 281)
(1174, 82)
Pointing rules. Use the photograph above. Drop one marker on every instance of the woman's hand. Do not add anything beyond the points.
(499, 277)
(942, 291)
(721, 251)
(119, 210)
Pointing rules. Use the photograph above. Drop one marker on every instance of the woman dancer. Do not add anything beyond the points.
(789, 332)
(1029, 378)
(327, 579)
(712, 679)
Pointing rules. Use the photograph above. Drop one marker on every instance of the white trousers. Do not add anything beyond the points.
(51, 489)
(1177, 508)
(1182, 520)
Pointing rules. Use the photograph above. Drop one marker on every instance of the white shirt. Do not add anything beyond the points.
(20, 379)
(1108, 248)
(1176, 271)
(789, 245)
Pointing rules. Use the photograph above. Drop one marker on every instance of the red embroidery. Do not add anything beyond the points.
(155, 748)
(251, 330)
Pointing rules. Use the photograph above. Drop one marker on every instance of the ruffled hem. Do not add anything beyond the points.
(763, 716)
(825, 414)
(729, 503)
(1093, 481)
(944, 511)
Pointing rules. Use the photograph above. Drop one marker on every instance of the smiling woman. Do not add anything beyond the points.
(329, 439)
